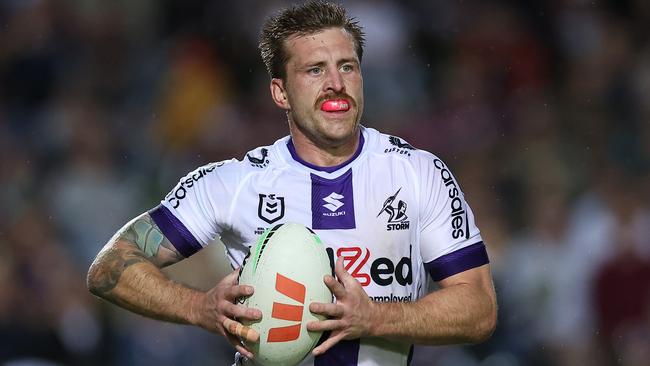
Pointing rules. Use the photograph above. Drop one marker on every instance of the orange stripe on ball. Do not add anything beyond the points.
(284, 334)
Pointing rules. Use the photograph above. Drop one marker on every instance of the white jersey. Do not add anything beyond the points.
(394, 213)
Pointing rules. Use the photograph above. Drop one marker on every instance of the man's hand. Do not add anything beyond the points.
(217, 311)
(127, 273)
(350, 317)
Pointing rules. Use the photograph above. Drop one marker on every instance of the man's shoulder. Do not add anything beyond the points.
(263, 157)
(394, 146)
(233, 169)
(257, 159)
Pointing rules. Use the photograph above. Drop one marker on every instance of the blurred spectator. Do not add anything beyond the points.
(88, 180)
(47, 312)
(195, 88)
(621, 288)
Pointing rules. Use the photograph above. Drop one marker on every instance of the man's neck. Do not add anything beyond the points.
(322, 155)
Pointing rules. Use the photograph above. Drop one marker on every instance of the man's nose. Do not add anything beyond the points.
(334, 81)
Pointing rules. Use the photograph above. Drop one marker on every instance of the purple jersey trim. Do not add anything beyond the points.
(175, 231)
(344, 353)
(461, 260)
(328, 169)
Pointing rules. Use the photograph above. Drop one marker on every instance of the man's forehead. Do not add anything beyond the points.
(332, 30)
(311, 43)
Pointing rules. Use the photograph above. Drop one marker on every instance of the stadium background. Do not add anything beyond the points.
(542, 109)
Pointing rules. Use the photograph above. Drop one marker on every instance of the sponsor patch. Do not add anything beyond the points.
(383, 271)
(260, 161)
(399, 146)
(180, 191)
(332, 202)
(459, 220)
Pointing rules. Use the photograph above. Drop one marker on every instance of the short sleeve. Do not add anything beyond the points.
(190, 213)
(450, 241)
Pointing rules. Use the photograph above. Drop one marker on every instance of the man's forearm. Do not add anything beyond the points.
(460, 313)
(124, 276)
(127, 273)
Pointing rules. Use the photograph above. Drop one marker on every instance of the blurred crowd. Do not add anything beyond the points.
(541, 108)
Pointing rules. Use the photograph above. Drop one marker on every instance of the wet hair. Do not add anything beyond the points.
(299, 20)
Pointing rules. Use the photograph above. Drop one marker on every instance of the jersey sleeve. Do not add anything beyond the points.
(190, 214)
(450, 242)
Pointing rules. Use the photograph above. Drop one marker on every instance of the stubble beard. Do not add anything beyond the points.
(318, 134)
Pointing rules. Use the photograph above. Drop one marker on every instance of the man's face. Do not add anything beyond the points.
(323, 88)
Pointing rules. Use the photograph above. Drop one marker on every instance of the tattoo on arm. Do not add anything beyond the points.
(139, 241)
(146, 235)
(114, 260)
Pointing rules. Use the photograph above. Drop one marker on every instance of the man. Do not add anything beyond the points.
(391, 214)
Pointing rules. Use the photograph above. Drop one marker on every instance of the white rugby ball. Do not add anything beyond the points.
(286, 269)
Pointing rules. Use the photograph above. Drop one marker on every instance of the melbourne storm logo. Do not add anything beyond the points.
(397, 218)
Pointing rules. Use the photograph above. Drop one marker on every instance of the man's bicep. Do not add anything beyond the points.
(143, 233)
(479, 277)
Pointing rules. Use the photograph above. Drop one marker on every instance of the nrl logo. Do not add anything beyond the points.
(270, 208)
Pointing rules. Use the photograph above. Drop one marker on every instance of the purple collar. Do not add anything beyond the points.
(328, 169)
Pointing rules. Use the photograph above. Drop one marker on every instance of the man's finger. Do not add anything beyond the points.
(323, 325)
(342, 274)
(246, 353)
(241, 312)
(240, 330)
(335, 286)
(329, 343)
(237, 291)
(231, 278)
(239, 346)
(329, 310)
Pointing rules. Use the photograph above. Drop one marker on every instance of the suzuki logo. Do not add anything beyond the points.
(333, 202)
(295, 291)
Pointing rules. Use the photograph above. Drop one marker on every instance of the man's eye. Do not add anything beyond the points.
(346, 68)
(314, 70)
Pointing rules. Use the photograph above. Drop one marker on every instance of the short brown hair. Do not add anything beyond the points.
(310, 17)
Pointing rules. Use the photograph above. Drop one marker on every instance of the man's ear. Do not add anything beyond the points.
(279, 93)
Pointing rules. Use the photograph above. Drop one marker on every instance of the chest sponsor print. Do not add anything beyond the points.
(383, 271)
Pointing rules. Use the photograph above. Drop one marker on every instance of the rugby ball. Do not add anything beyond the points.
(286, 269)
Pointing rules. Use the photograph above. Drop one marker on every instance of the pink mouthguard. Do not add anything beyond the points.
(336, 105)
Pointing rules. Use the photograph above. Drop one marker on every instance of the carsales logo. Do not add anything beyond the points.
(383, 271)
(459, 221)
(180, 191)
